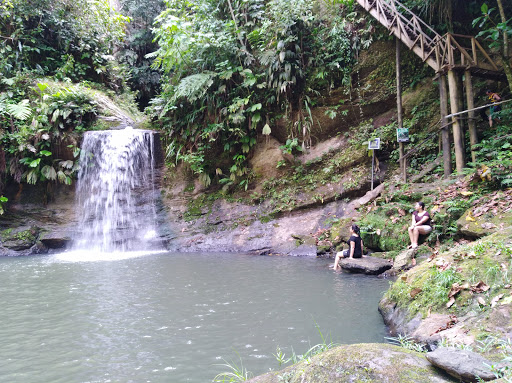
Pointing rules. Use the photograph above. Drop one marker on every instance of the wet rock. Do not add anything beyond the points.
(397, 319)
(304, 251)
(38, 248)
(360, 363)
(365, 265)
(461, 364)
(55, 240)
(21, 238)
(428, 331)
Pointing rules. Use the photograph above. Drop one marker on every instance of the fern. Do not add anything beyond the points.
(20, 111)
(195, 86)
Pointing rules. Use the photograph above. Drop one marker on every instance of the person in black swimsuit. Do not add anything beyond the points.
(356, 247)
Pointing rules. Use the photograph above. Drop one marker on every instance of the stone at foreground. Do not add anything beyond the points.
(404, 259)
(371, 363)
(461, 364)
(365, 265)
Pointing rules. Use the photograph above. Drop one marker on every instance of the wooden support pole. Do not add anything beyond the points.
(373, 166)
(445, 132)
(403, 163)
(470, 99)
(458, 137)
(462, 122)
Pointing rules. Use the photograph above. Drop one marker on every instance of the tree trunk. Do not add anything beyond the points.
(506, 55)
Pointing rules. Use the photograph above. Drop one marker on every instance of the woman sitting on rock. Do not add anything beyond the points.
(356, 247)
(421, 224)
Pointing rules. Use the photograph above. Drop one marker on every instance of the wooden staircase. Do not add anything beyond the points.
(441, 53)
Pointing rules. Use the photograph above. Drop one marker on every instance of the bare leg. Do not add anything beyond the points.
(416, 235)
(337, 260)
(411, 237)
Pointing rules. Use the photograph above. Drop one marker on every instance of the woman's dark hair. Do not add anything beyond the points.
(356, 229)
(422, 205)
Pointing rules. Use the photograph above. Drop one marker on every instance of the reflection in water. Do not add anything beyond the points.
(173, 317)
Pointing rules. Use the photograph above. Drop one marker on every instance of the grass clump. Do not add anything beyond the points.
(427, 291)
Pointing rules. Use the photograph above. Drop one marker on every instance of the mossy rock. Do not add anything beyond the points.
(426, 287)
(478, 227)
(371, 362)
(22, 238)
(384, 229)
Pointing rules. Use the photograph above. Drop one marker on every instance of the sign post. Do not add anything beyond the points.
(373, 145)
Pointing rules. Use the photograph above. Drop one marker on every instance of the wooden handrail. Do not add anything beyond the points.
(440, 52)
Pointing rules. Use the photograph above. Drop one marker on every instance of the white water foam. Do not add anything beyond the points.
(88, 256)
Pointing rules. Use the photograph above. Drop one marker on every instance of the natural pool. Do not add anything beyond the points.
(172, 317)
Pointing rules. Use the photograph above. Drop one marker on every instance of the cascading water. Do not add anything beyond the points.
(116, 191)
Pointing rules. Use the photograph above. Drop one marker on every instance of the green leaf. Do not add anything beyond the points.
(45, 153)
(20, 111)
(266, 130)
(49, 172)
(42, 86)
(255, 107)
(34, 163)
(484, 8)
(3, 199)
(61, 176)
(66, 164)
(32, 177)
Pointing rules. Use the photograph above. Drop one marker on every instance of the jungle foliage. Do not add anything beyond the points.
(66, 41)
(143, 78)
(232, 68)
(37, 122)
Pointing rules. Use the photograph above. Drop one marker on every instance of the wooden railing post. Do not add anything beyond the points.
(445, 132)
(455, 106)
(470, 98)
(401, 145)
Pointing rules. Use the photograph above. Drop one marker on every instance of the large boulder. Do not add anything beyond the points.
(465, 365)
(404, 259)
(366, 265)
(382, 363)
(478, 227)
(21, 238)
(55, 239)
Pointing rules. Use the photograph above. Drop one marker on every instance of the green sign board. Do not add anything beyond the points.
(402, 134)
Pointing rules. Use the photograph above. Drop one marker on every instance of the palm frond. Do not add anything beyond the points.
(20, 111)
(195, 86)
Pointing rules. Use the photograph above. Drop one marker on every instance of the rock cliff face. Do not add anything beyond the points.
(34, 226)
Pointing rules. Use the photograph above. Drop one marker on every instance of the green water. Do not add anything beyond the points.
(172, 317)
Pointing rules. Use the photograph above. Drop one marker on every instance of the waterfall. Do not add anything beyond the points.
(116, 191)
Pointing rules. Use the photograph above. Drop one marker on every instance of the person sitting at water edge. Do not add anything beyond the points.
(421, 224)
(356, 247)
